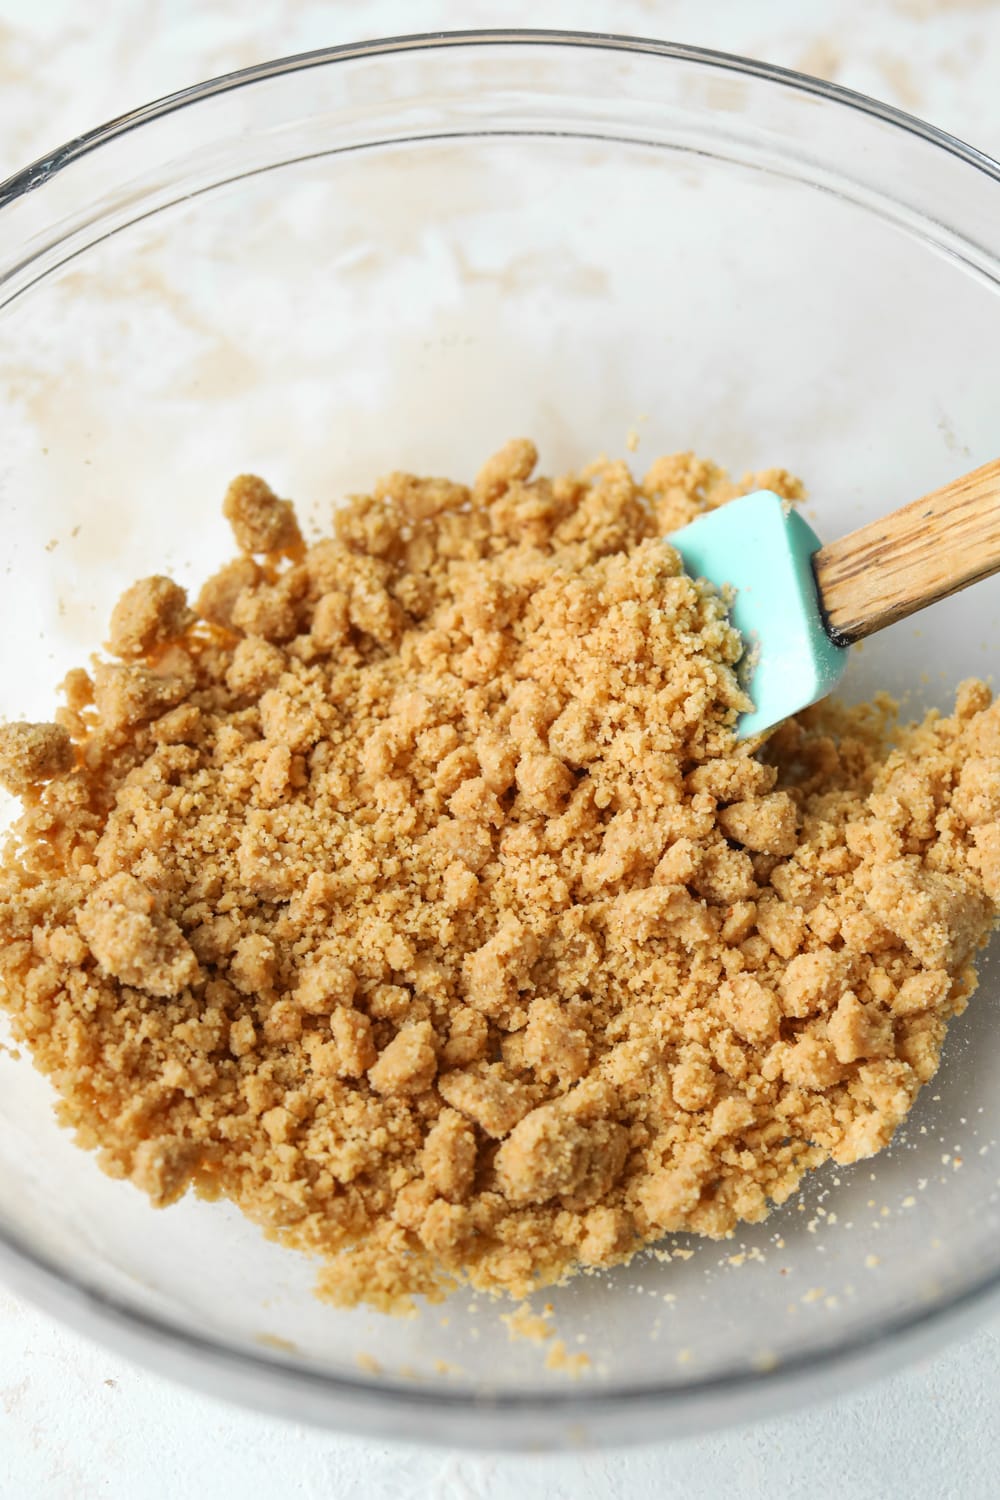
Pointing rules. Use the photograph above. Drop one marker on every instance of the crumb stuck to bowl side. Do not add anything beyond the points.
(413, 892)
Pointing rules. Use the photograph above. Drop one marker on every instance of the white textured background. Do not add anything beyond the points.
(77, 1423)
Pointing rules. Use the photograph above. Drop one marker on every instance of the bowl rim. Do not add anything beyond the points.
(76, 1300)
(37, 172)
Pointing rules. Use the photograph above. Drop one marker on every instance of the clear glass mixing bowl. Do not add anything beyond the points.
(399, 255)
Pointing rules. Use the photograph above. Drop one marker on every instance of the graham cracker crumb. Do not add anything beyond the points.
(417, 897)
(560, 1359)
(31, 754)
(260, 521)
(150, 613)
(276, 1342)
(525, 1323)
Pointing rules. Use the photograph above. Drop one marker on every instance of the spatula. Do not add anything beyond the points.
(800, 605)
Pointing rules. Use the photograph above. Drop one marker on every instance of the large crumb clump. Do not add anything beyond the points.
(418, 898)
(31, 754)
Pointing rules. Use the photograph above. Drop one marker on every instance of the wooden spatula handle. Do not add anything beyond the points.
(913, 557)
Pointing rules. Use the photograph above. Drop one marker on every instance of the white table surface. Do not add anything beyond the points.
(78, 1423)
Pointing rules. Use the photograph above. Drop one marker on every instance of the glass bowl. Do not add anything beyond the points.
(399, 255)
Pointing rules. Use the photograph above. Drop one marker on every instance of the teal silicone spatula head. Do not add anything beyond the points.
(798, 605)
(763, 550)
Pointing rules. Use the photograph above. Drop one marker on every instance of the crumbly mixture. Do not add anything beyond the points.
(411, 891)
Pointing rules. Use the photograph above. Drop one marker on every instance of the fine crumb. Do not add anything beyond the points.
(275, 1341)
(560, 1360)
(411, 891)
(525, 1323)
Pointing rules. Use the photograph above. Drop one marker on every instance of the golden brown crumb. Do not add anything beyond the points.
(449, 1156)
(560, 1359)
(31, 754)
(260, 521)
(419, 899)
(523, 1323)
(219, 594)
(132, 941)
(150, 613)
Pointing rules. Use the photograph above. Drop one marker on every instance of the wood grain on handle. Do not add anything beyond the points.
(913, 557)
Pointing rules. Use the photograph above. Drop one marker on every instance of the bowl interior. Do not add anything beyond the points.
(398, 261)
